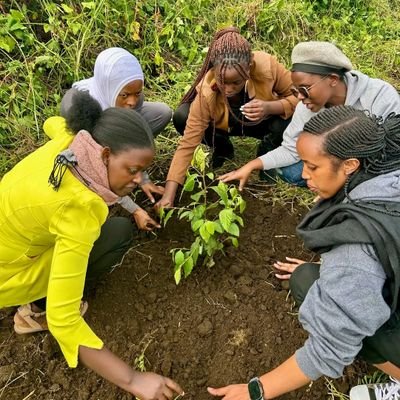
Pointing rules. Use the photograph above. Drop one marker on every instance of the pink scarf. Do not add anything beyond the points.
(90, 168)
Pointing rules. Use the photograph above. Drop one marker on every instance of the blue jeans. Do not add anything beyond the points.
(290, 174)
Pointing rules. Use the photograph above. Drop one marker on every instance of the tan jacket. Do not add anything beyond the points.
(269, 80)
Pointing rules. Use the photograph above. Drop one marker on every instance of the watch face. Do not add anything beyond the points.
(255, 389)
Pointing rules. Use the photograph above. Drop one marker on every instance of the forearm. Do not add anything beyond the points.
(170, 189)
(109, 366)
(283, 379)
(274, 107)
(255, 164)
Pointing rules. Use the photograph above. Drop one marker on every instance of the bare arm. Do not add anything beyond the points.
(145, 385)
(283, 379)
(167, 200)
(242, 174)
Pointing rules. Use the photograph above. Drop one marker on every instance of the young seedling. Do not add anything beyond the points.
(213, 222)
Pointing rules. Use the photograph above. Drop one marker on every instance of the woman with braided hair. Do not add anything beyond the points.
(322, 77)
(237, 92)
(350, 303)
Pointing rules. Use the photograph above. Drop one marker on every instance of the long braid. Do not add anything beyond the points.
(227, 49)
(350, 133)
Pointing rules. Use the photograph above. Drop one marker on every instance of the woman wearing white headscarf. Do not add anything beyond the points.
(117, 81)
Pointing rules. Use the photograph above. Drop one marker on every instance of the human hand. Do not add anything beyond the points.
(149, 188)
(231, 392)
(143, 220)
(150, 386)
(255, 109)
(287, 268)
(167, 200)
(242, 175)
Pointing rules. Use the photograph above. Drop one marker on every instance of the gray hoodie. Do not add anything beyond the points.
(345, 304)
(364, 93)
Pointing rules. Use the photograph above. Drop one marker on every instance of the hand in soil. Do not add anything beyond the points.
(241, 174)
(150, 188)
(288, 267)
(143, 220)
(231, 392)
(150, 386)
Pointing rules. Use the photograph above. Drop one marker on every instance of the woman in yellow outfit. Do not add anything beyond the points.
(55, 236)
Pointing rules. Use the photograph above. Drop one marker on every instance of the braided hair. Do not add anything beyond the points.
(350, 133)
(227, 49)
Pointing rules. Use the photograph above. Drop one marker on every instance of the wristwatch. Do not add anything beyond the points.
(255, 389)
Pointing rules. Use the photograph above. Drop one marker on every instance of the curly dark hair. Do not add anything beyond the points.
(116, 128)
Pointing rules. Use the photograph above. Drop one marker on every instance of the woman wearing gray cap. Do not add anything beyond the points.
(322, 77)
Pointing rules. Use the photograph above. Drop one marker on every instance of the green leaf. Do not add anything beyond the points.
(196, 196)
(168, 216)
(242, 205)
(218, 227)
(67, 8)
(7, 43)
(182, 213)
(179, 258)
(210, 175)
(205, 235)
(197, 224)
(188, 266)
(199, 159)
(178, 275)
(222, 191)
(234, 229)
(195, 249)
(199, 211)
(210, 227)
(189, 183)
(239, 219)
(235, 242)
(226, 218)
(233, 192)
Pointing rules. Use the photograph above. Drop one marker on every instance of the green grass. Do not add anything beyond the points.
(46, 47)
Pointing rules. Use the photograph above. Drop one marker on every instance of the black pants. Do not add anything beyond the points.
(115, 239)
(383, 346)
(269, 131)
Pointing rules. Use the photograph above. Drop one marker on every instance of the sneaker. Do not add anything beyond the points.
(380, 391)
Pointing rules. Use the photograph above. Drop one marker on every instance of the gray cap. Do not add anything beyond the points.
(319, 58)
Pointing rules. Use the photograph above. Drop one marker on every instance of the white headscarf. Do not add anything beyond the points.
(114, 68)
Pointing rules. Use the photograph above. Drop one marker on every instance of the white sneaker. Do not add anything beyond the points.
(380, 391)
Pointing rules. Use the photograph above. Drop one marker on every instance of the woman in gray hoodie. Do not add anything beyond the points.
(322, 77)
(350, 302)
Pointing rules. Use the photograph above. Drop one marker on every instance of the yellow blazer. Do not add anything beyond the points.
(45, 240)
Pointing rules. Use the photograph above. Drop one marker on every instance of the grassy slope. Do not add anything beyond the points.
(45, 46)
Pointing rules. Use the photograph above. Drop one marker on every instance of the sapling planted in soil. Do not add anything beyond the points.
(214, 219)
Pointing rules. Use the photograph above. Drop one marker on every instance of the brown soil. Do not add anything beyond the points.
(219, 326)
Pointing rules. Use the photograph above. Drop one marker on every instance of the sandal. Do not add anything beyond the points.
(28, 321)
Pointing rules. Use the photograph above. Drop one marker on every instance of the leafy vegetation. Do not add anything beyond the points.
(214, 222)
(46, 45)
